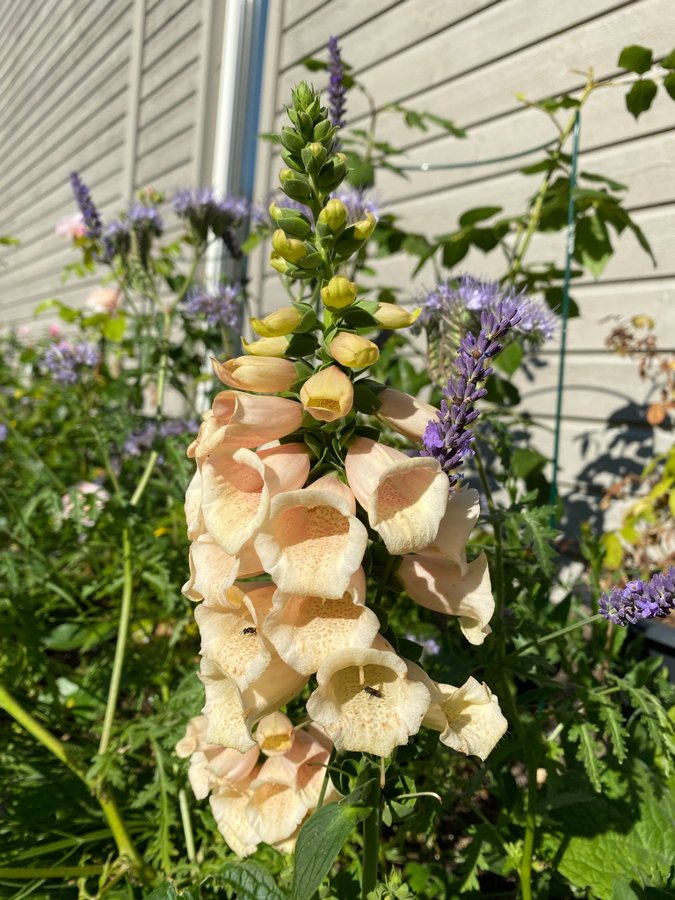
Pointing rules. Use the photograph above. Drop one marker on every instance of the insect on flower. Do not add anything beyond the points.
(373, 692)
(250, 630)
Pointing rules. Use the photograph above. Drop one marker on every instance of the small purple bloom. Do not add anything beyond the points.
(3, 432)
(219, 308)
(90, 215)
(204, 210)
(145, 219)
(358, 202)
(449, 439)
(337, 92)
(116, 239)
(144, 437)
(66, 361)
(640, 599)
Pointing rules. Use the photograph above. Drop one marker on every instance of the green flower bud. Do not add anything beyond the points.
(297, 318)
(313, 157)
(324, 131)
(293, 222)
(291, 140)
(333, 215)
(339, 293)
(305, 125)
(292, 161)
(333, 172)
(289, 249)
(364, 228)
(303, 95)
(294, 185)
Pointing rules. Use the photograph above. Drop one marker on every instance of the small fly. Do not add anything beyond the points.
(250, 630)
(373, 692)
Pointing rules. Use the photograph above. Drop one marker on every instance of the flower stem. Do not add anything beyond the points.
(371, 845)
(496, 526)
(122, 630)
(525, 869)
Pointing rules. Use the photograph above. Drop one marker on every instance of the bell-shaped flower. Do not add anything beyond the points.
(213, 571)
(311, 544)
(305, 630)
(245, 420)
(260, 374)
(327, 395)
(275, 809)
(405, 498)
(458, 522)
(440, 586)
(468, 717)
(404, 413)
(231, 635)
(212, 766)
(236, 489)
(230, 810)
(366, 702)
(275, 734)
(232, 713)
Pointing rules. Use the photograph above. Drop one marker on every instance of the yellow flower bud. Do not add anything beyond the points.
(279, 264)
(280, 322)
(354, 351)
(267, 346)
(339, 293)
(364, 228)
(391, 316)
(328, 395)
(334, 215)
(290, 249)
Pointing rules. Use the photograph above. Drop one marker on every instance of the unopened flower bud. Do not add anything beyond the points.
(354, 351)
(328, 395)
(289, 249)
(262, 375)
(267, 346)
(281, 322)
(391, 316)
(339, 293)
(364, 228)
(334, 215)
(279, 264)
(313, 157)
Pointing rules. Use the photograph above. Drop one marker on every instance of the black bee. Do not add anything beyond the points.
(373, 692)
(250, 630)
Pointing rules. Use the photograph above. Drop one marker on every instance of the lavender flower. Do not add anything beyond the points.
(430, 646)
(3, 432)
(204, 211)
(116, 239)
(449, 438)
(90, 215)
(219, 308)
(358, 201)
(66, 361)
(144, 438)
(652, 599)
(145, 219)
(337, 92)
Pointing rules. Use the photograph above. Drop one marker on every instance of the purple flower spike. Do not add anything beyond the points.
(449, 439)
(220, 308)
(337, 92)
(90, 215)
(640, 599)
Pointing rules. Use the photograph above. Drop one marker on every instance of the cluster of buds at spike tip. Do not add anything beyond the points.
(296, 508)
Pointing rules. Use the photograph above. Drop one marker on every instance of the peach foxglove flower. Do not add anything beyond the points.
(311, 544)
(468, 717)
(391, 316)
(440, 585)
(232, 713)
(211, 765)
(213, 571)
(104, 300)
(231, 635)
(268, 346)
(193, 507)
(460, 517)
(229, 807)
(244, 420)
(404, 413)
(354, 351)
(327, 395)
(275, 734)
(275, 809)
(236, 489)
(260, 374)
(405, 498)
(366, 701)
(304, 630)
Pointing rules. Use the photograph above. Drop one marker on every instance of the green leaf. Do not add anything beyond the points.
(478, 214)
(319, 842)
(510, 358)
(526, 461)
(669, 85)
(447, 124)
(668, 62)
(640, 97)
(592, 246)
(587, 752)
(252, 881)
(115, 327)
(613, 720)
(613, 551)
(636, 58)
(455, 249)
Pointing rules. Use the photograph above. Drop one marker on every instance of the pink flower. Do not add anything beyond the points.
(54, 330)
(71, 227)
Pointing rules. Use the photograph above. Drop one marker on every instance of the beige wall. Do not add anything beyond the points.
(466, 60)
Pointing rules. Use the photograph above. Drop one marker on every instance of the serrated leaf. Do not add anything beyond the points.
(252, 881)
(320, 840)
(640, 97)
(636, 58)
(587, 752)
(611, 716)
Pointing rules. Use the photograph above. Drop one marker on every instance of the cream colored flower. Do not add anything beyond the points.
(405, 498)
(311, 544)
(213, 571)
(440, 586)
(404, 413)
(230, 808)
(245, 420)
(236, 489)
(193, 507)
(327, 395)
(305, 630)
(460, 517)
(212, 766)
(366, 702)
(275, 734)
(260, 374)
(353, 350)
(275, 809)
(232, 635)
(267, 346)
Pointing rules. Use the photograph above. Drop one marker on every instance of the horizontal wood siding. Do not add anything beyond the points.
(466, 61)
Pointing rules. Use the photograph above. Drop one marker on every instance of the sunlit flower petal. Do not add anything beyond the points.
(328, 394)
(211, 765)
(193, 507)
(263, 375)
(404, 413)
(275, 810)
(456, 526)
(229, 807)
(213, 571)
(405, 498)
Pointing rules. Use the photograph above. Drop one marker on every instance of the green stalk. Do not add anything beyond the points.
(186, 821)
(53, 872)
(107, 803)
(371, 846)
